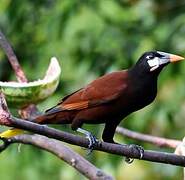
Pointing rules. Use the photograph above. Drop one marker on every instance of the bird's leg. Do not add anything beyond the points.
(108, 132)
(108, 135)
(92, 139)
(76, 126)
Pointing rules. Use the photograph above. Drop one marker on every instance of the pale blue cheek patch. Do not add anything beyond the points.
(153, 63)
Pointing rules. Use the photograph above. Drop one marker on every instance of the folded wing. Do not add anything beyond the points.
(101, 91)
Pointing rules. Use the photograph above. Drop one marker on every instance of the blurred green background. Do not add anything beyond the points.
(91, 38)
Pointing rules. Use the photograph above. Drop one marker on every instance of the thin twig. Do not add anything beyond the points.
(64, 153)
(12, 58)
(161, 142)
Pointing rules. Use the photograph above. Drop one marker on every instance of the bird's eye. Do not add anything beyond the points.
(149, 57)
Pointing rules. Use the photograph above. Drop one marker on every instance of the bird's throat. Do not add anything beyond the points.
(143, 88)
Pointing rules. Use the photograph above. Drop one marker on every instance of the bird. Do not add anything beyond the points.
(109, 98)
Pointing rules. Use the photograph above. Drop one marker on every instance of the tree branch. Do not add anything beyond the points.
(64, 153)
(161, 142)
(12, 58)
(123, 150)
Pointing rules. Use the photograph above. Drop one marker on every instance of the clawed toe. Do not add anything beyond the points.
(139, 149)
(92, 142)
(92, 139)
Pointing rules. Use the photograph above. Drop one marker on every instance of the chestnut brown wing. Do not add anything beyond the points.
(100, 91)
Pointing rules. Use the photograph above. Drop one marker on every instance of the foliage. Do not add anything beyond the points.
(93, 37)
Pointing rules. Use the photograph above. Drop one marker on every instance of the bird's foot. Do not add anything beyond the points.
(92, 139)
(139, 149)
(92, 142)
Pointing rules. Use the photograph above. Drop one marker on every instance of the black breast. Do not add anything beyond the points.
(141, 94)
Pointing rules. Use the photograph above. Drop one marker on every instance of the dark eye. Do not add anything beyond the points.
(150, 56)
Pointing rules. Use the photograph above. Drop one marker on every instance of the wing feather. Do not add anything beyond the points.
(101, 91)
(76, 106)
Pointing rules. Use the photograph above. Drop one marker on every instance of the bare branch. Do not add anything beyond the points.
(12, 58)
(123, 150)
(161, 142)
(64, 153)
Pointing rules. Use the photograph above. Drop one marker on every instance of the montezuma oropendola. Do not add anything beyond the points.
(110, 98)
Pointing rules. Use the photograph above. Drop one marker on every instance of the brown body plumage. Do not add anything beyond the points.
(111, 97)
(108, 99)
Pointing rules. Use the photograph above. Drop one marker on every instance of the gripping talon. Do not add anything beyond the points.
(92, 139)
(139, 149)
(92, 142)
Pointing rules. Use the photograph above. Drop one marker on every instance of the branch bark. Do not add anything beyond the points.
(161, 142)
(64, 153)
(123, 150)
(12, 58)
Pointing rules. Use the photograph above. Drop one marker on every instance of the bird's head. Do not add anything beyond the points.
(154, 61)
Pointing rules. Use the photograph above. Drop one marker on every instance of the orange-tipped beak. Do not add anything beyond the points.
(167, 57)
(175, 58)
